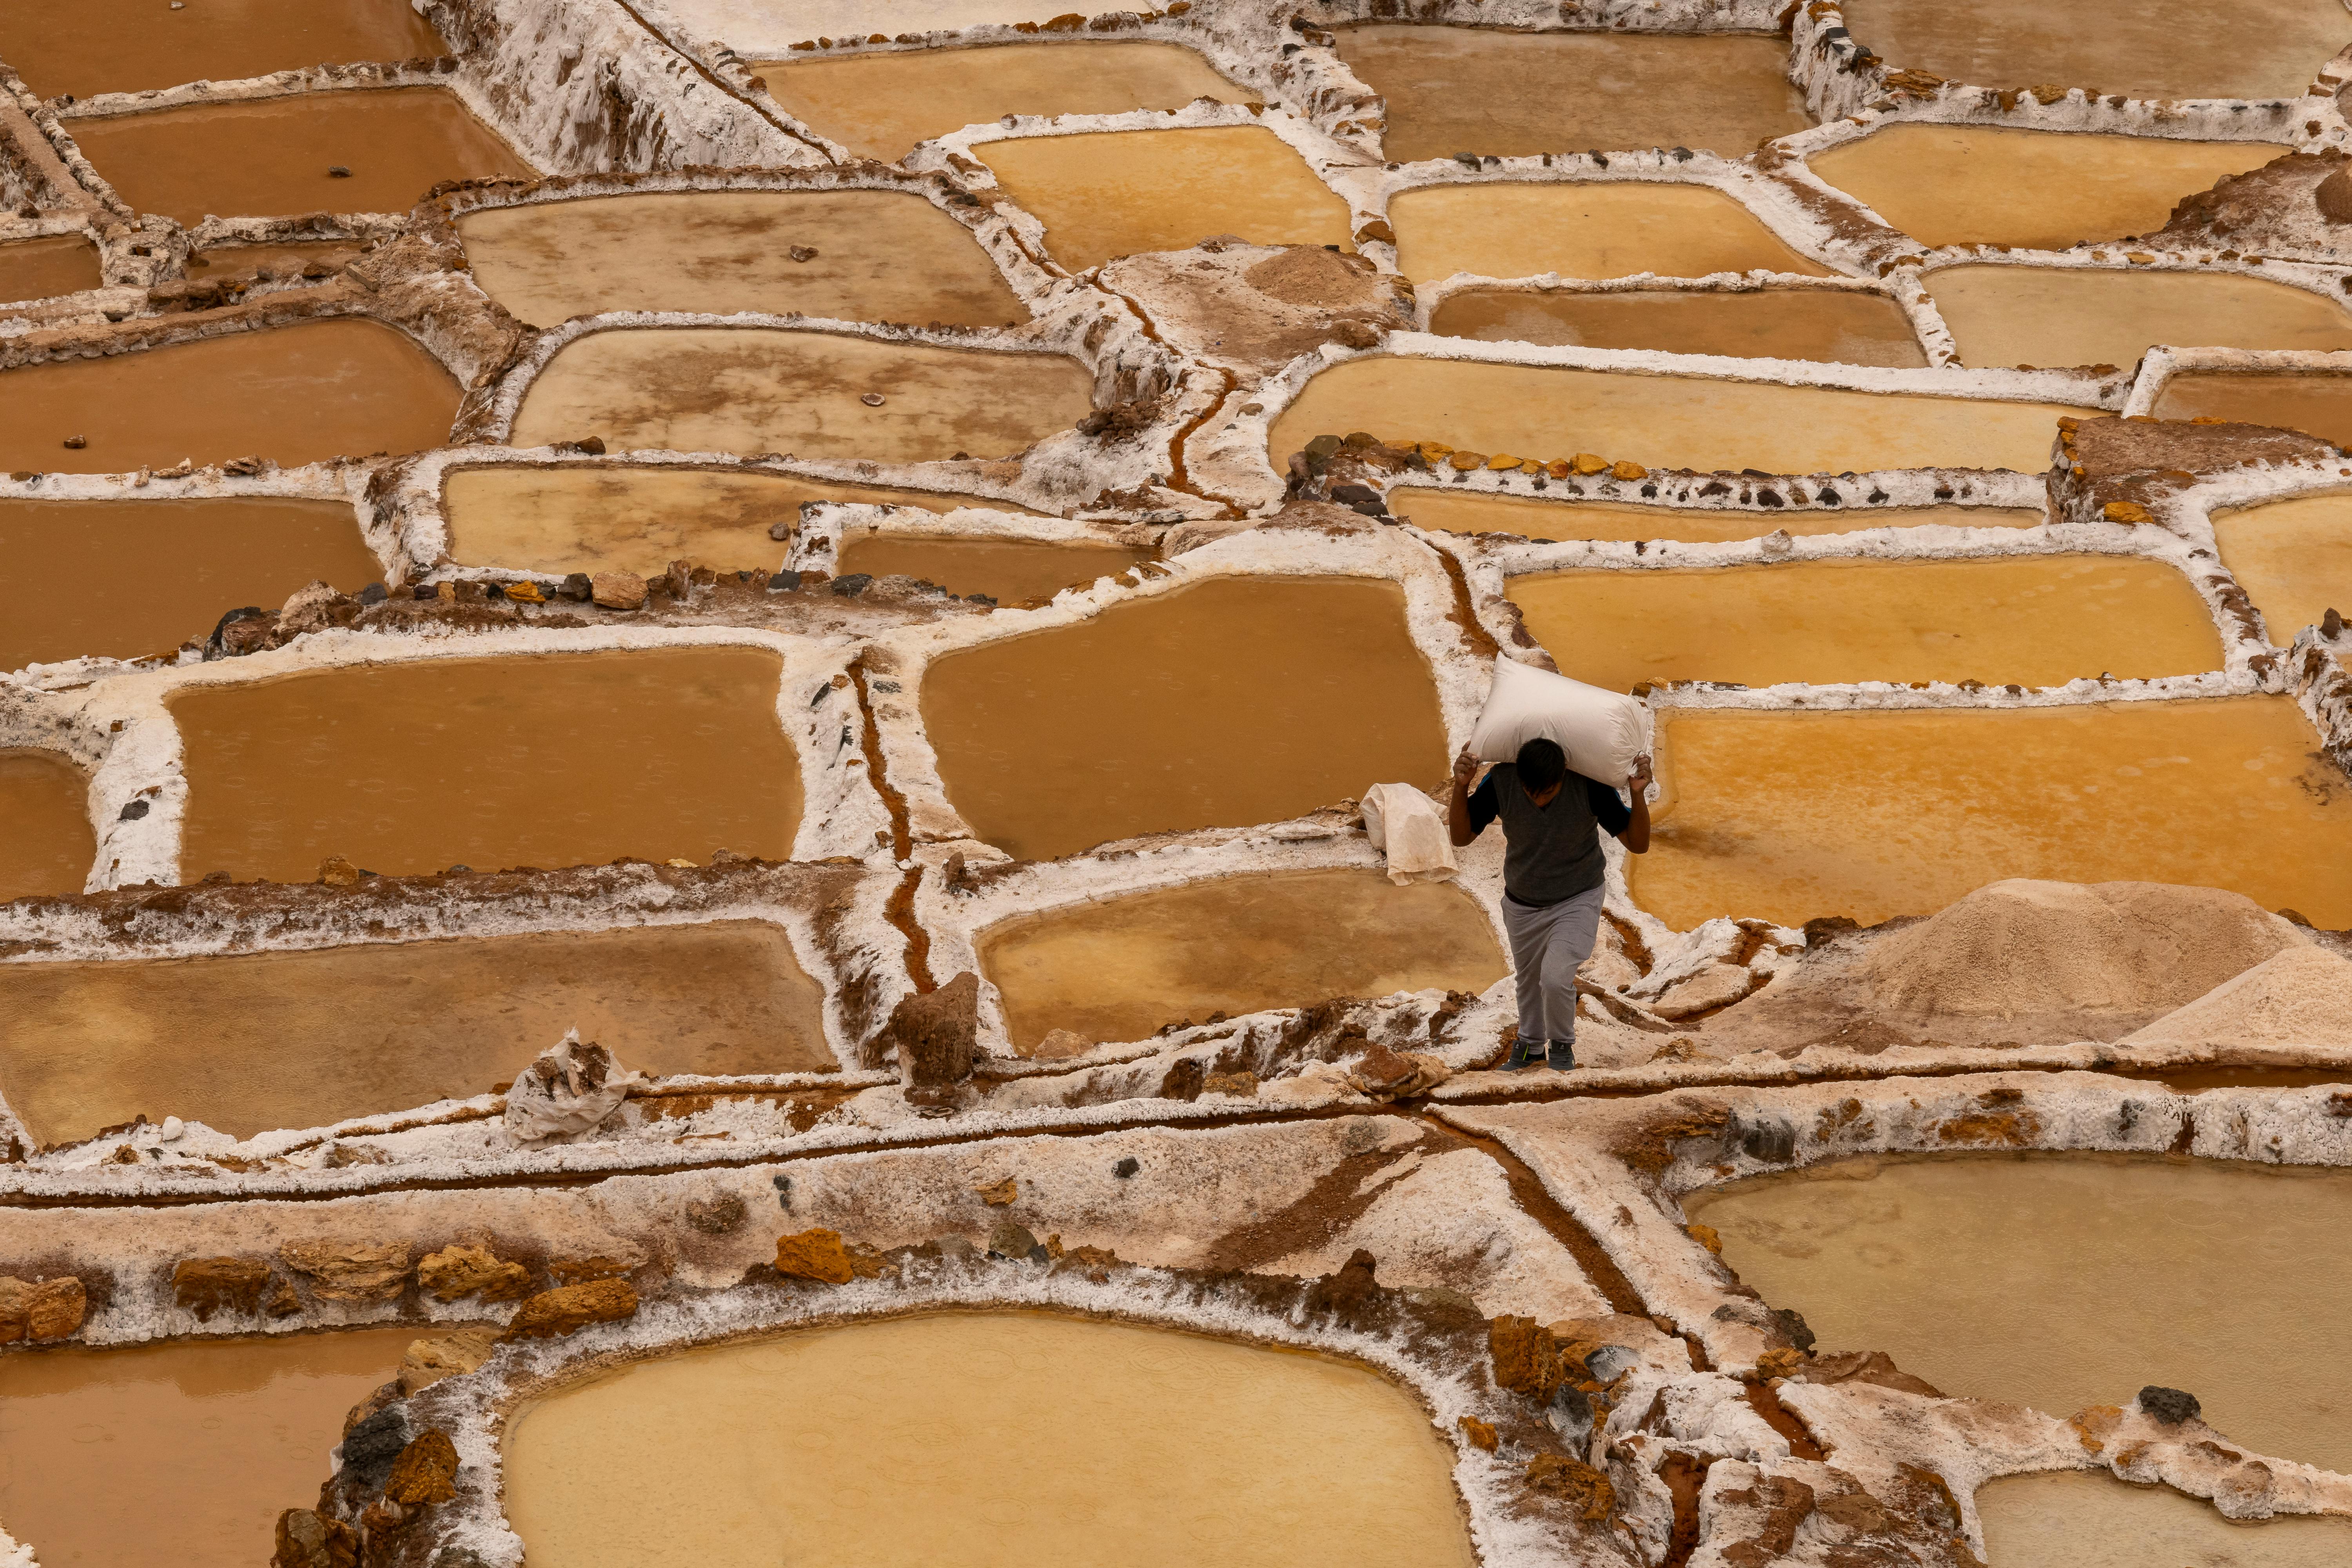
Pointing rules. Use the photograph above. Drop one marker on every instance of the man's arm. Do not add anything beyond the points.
(1635, 835)
(1457, 808)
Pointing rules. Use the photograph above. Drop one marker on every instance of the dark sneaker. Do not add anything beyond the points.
(1522, 1057)
(1561, 1057)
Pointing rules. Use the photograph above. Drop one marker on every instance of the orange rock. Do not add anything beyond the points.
(425, 1472)
(2126, 511)
(206, 1285)
(1465, 461)
(568, 1309)
(1477, 1434)
(1527, 1358)
(996, 1194)
(341, 1269)
(1573, 1482)
(40, 1310)
(1624, 470)
(1587, 464)
(455, 1271)
(1782, 1362)
(1501, 460)
(814, 1255)
(1705, 1235)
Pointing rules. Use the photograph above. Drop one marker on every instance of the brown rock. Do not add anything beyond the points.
(1865, 1366)
(715, 1217)
(1782, 1361)
(279, 1300)
(40, 1310)
(208, 1285)
(345, 1270)
(568, 1309)
(1343, 1291)
(1705, 1235)
(1574, 1482)
(1478, 1434)
(617, 590)
(307, 1540)
(425, 1472)
(1384, 1073)
(935, 1033)
(455, 1271)
(595, 1266)
(1241, 1085)
(1527, 1358)
(996, 1194)
(2334, 196)
(814, 1255)
(337, 872)
(429, 1361)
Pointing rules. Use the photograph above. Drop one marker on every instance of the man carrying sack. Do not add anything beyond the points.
(1553, 868)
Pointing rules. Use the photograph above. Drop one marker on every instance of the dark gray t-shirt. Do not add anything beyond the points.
(1552, 852)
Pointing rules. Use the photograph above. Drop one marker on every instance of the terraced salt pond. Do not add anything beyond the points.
(295, 259)
(1662, 421)
(1949, 185)
(2040, 620)
(127, 45)
(2082, 1520)
(218, 1436)
(296, 393)
(1010, 571)
(273, 156)
(765, 1451)
(858, 256)
(2066, 1281)
(598, 519)
(748, 390)
(882, 105)
(2059, 316)
(2140, 48)
(1848, 327)
(1109, 194)
(46, 841)
(1584, 231)
(1872, 814)
(2317, 405)
(40, 268)
(197, 559)
(230, 1041)
(1467, 511)
(1225, 704)
(1513, 94)
(549, 760)
(2292, 557)
(1118, 969)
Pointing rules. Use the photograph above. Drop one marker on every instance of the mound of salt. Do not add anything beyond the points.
(2125, 951)
(2302, 996)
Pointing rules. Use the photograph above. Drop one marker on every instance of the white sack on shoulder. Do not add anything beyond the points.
(1601, 732)
(568, 1088)
(1404, 825)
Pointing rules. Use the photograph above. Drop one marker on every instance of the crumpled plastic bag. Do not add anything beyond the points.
(570, 1087)
(1406, 826)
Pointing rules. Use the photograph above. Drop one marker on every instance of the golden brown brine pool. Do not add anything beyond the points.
(1118, 969)
(858, 256)
(549, 760)
(1466, 511)
(2067, 1281)
(46, 841)
(1870, 815)
(881, 105)
(2035, 620)
(232, 1041)
(767, 1452)
(268, 156)
(99, 1447)
(197, 559)
(1229, 702)
(295, 393)
(2294, 557)
(2058, 316)
(125, 46)
(1010, 571)
(2075, 1518)
(2317, 405)
(751, 390)
(1584, 231)
(39, 268)
(1839, 325)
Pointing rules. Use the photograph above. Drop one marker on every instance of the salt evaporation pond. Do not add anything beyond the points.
(1467, 511)
(2059, 316)
(1872, 814)
(1225, 704)
(1119, 968)
(1584, 231)
(129, 46)
(757, 1453)
(2065, 1281)
(1010, 571)
(1839, 325)
(40, 268)
(2077, 1518)
(46, 840)
(2292, 557)
(538, 760)
(231, 1041)
(2317, 405)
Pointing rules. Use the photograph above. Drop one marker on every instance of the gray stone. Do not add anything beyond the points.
(2170, 1406)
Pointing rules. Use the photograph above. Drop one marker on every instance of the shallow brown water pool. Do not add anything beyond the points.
(1464, 511)
(45, 842)
(2075, 1518)
(2317, 405)
(40, 268)
(1584, 231)
(1771, 324)
(1010, 571)
(126, 46)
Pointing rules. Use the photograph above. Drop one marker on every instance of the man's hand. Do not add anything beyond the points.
(1457, 806)
(1466, 768)
(1639, 779)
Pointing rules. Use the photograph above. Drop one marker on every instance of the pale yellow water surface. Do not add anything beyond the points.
(1110, 194)
(882, 105)
(1946, 184)
(1118, 969)
(1871, 815)
(1462, 511)
(2317, 405)
(579, 518)
(2141, 48)
(986, 1441)
(2081, 1519)
(750, 390)
(45, 842)
(2292, 557)
(97, 1448)
(1584, 231)
(877, 256)
(2056, 316)
(1513, 94)
(1662, 421)
(2036, 620)
(2072, 1281)
(1768, 323)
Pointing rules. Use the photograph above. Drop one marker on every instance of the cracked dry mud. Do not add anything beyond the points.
(683, 724)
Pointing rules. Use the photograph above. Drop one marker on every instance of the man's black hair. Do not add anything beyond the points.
(1542, 764)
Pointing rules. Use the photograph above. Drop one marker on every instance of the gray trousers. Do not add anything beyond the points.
(1547, 947)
